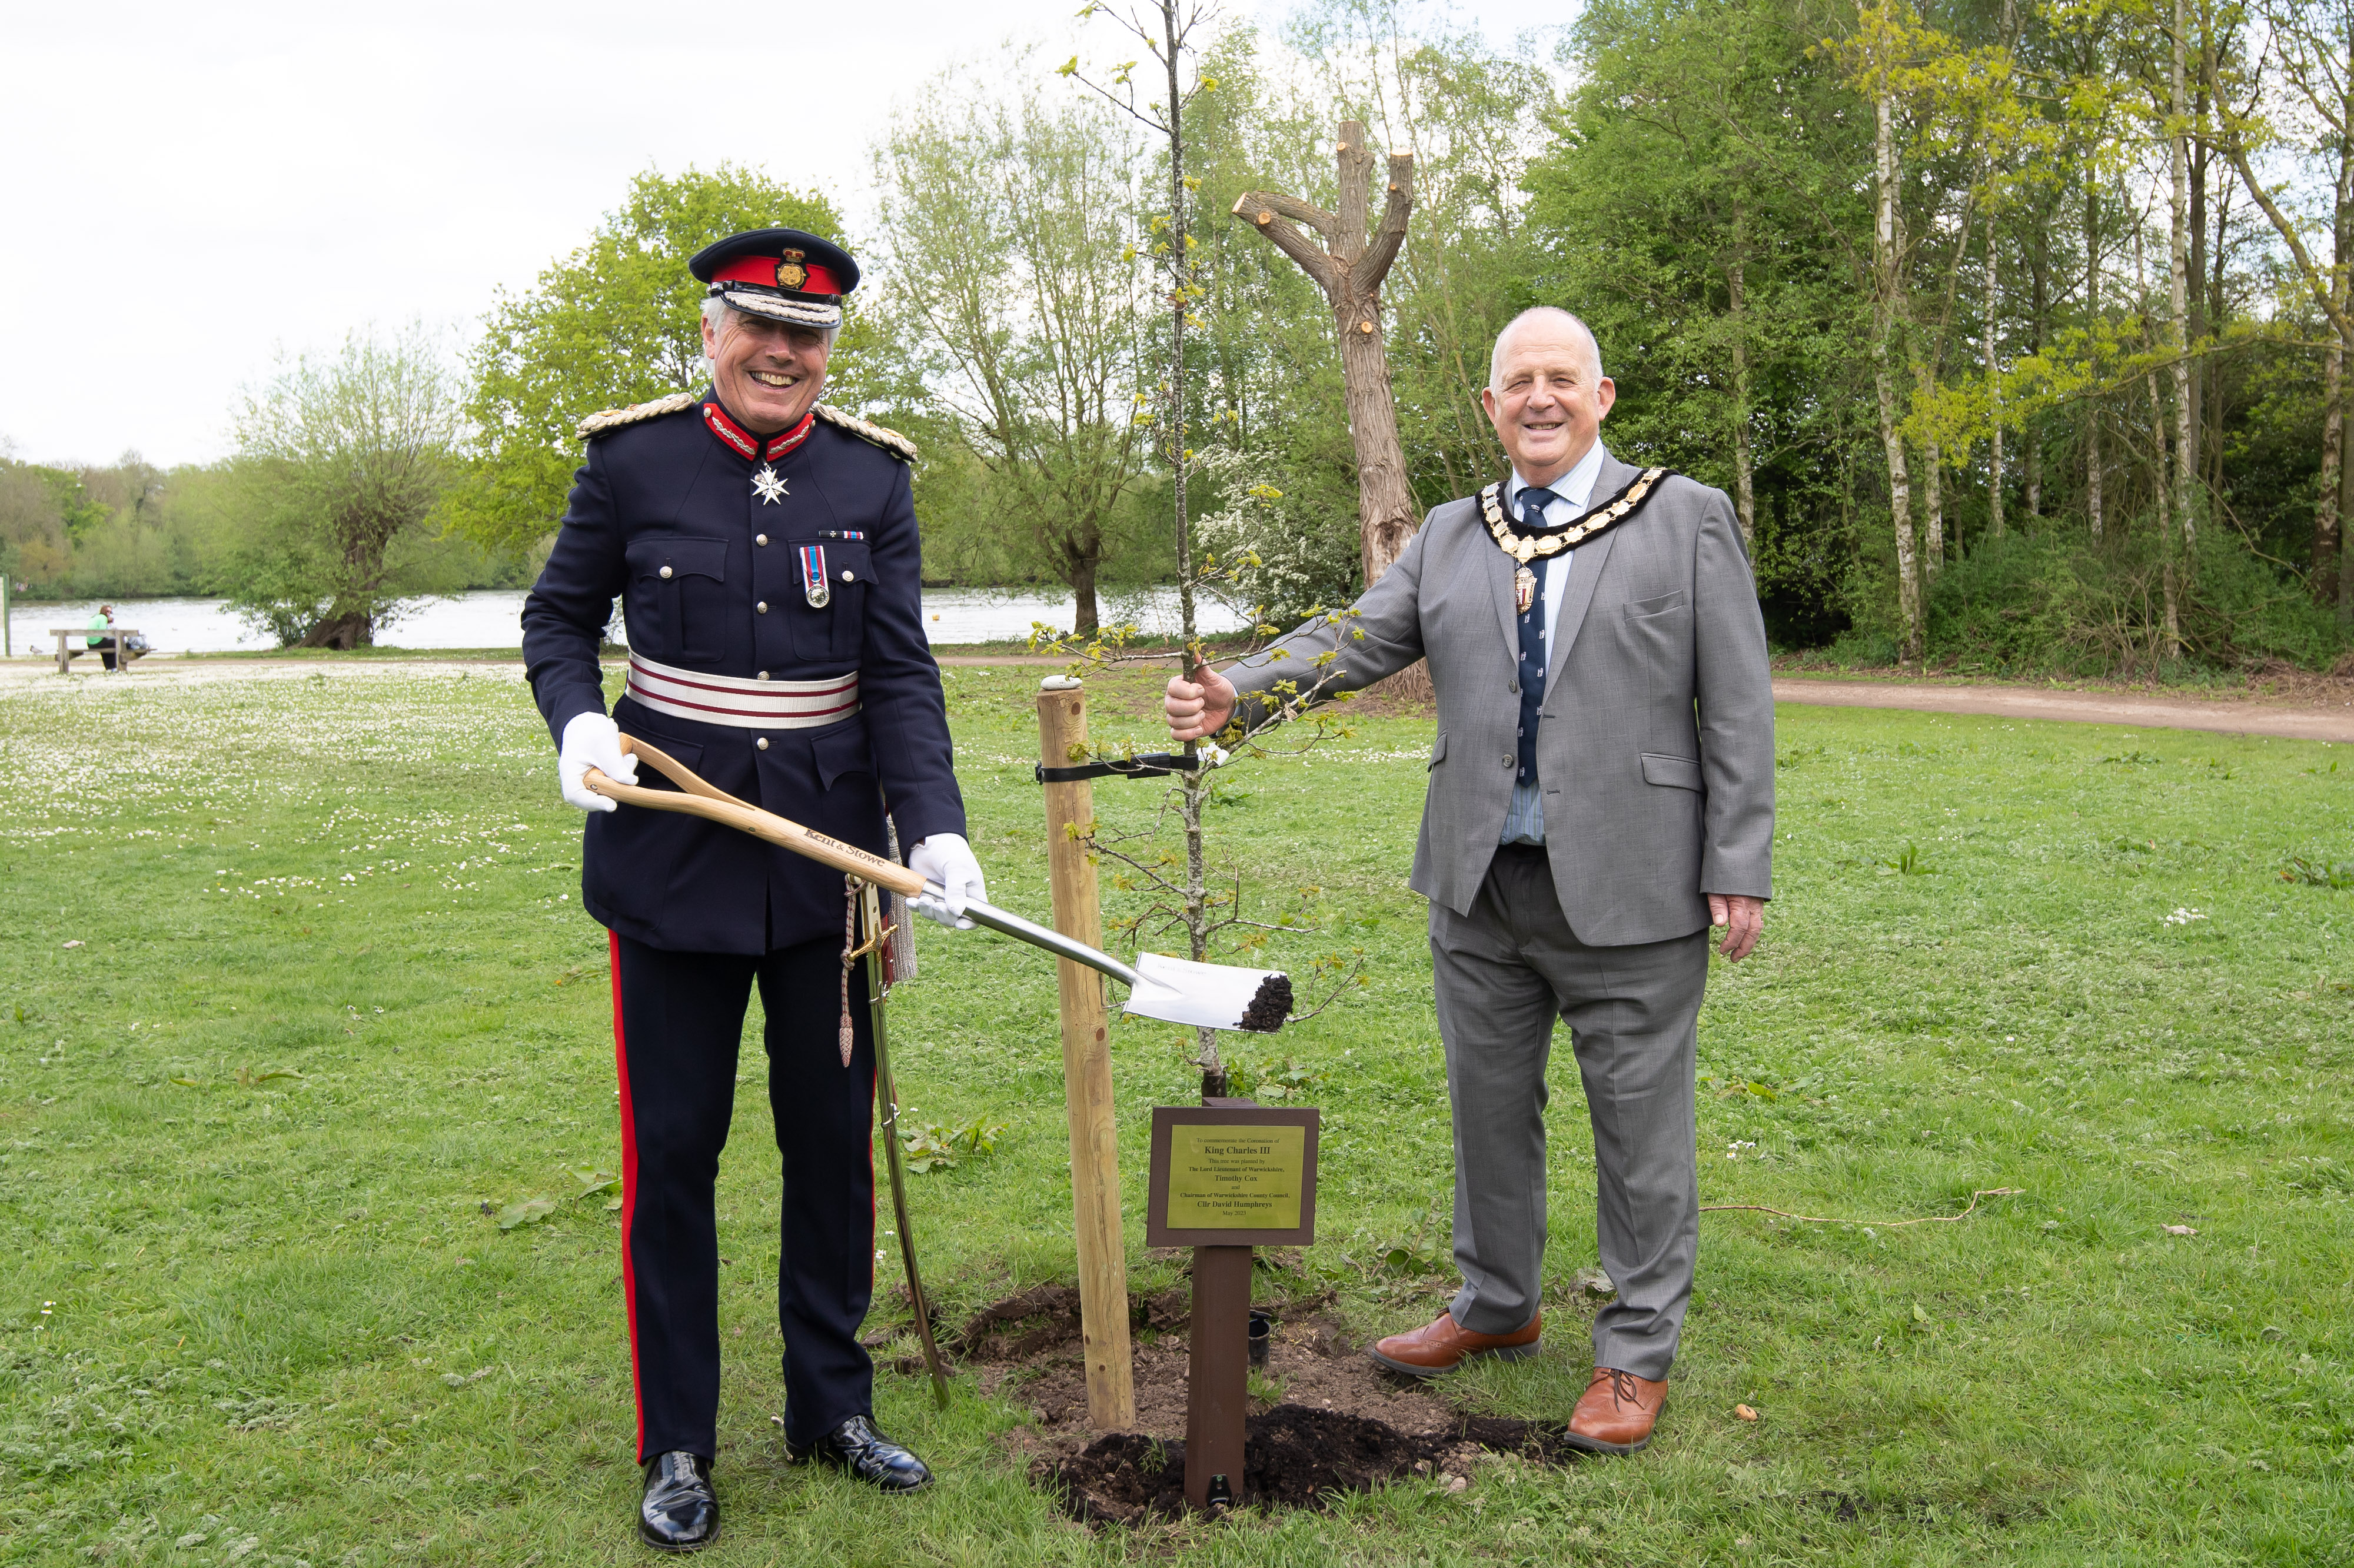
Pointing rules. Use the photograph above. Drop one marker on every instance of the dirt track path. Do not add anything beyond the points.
(2329, 718)
(2298, 719)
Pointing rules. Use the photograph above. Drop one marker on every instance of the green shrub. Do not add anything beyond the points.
(2060, 602)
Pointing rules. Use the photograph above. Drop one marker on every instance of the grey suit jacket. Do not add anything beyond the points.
(1655, 745)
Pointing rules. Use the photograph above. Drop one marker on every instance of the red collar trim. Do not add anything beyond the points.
(747, 445)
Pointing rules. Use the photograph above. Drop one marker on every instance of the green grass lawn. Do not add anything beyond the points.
(332, 993)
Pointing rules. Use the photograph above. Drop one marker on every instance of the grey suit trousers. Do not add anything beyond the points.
(1504, 972)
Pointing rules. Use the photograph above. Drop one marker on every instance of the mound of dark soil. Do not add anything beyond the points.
(1019, 1327)
(1335, 1422)
(1293, 1457)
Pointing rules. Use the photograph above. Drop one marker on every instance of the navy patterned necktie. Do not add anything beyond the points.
(1533, 501)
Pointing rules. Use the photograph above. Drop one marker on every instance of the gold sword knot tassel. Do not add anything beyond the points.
(850, 952)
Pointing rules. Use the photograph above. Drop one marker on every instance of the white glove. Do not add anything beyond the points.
(947, 859)
(592, 740)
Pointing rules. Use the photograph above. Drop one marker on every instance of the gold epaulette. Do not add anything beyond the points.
(604, 420)
(890, 441)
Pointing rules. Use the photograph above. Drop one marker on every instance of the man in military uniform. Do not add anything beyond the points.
(765, 549)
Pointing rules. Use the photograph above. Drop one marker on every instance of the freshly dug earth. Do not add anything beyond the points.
(1341, 1422)
(1293, 1457)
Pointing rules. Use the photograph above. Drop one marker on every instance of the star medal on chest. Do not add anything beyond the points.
(766, 482)
(813, 583)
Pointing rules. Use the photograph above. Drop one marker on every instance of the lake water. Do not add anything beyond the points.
(490, 619)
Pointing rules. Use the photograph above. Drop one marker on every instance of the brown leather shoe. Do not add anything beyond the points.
(1617, 1413)
(1446, 1344)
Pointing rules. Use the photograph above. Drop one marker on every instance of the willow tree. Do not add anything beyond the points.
(1015, 291)
(343, 461)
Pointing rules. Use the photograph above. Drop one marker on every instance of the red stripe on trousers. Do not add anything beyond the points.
(629, 1186)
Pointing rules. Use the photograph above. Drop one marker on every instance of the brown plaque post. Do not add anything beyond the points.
(1248, 1181)
(1217, 1375)
(1086, 1072)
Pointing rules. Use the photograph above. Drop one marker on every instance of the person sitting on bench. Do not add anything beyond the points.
(104, 622)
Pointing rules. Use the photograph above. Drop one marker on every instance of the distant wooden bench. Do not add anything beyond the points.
(74, 641)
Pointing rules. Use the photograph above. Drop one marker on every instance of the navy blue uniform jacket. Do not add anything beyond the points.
(665, 491)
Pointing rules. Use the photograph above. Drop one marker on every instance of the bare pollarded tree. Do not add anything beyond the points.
(1348, 255)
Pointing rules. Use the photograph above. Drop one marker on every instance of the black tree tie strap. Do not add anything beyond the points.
(1151, 765)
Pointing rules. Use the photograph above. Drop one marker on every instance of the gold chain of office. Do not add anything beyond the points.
(1526, 546)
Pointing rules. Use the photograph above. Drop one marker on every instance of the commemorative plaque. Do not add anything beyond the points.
(1234, 1174)
(1227, 1177)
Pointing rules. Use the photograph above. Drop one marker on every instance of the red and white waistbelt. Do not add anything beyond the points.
(746, 704)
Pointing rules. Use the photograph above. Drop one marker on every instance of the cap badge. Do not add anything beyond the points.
(790, 271)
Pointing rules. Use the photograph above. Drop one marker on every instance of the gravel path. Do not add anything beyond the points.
(2310, 717)
(2305, 719)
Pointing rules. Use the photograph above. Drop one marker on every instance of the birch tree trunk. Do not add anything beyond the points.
(1994, 391)
(2168, 548)
(2042, 307)
(1993, 395)
(1887, 268)
(2186, 445)
(2092, 316)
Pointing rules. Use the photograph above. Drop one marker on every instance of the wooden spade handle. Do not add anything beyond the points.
(698, 798)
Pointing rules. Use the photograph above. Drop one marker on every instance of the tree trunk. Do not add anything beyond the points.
(2042, 307)
(2328, 576)
(2345, 533)
(2194, 269)
(2168, 547)
(345, 630)
(1933, 510)
(2323, 576)
(1195, 785)
(1993, 395)
(1745, 497)
(2186, 441)
(1350, 266)
(1887, 266)
(2091, 318)
(1084, 609)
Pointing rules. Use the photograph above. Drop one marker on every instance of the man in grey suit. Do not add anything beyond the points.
(1601, 793)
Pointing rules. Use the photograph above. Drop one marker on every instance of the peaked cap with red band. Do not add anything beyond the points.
(780, 273)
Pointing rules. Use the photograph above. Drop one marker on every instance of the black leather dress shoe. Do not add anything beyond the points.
(857, 1448)
(679, 1512)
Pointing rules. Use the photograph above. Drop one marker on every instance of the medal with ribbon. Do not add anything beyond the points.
(813, 583)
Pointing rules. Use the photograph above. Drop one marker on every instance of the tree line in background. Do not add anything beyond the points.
(2018, 332)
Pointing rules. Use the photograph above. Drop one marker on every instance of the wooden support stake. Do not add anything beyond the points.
(1086, 1072)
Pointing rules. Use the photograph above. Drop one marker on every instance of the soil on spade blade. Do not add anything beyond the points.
(1343, 1423)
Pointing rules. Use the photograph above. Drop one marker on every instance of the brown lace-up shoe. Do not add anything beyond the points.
(1617, 1413)
(1446, 1344)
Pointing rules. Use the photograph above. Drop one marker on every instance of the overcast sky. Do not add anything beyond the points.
(190, 187)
